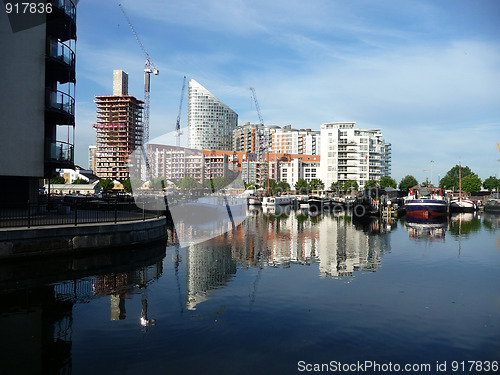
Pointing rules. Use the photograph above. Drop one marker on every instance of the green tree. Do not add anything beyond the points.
(188, 183)
(106, 184)
(371, 184)
(351, 185)
(451, 179)
(127, 185)
(491, 183)
(270, 185)
(316, 184)
(80, 181)
(283, 186)
(387, 181)
(157, 183)
(58, 180)
(301, 185)
(471, 183)
(336, 186)
(407, 182)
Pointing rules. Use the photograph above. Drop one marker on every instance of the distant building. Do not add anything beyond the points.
(174, 163)
(348, 153)
(71, 175)
(260, 139)
(119, 129)
(210, 121)
(297, 169)
(92, 158)
(37, 110)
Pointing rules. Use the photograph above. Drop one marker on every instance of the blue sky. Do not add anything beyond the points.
(427, 73)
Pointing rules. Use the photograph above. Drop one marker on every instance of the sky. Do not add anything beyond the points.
(426, 73)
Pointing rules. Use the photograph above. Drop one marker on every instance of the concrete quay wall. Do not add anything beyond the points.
(49, 240)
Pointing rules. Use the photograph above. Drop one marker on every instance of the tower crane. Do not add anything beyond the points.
(265, 145)
(178, 131)
(257, 107)
(149, 67)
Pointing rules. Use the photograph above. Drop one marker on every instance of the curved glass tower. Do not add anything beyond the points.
(210, 121)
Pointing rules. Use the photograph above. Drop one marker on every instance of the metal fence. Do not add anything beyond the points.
(74, 212)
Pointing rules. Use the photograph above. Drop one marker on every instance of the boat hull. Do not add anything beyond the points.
(276, 201)
(463, 205)
(426, 208)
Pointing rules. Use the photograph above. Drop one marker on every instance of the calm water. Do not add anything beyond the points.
(262, 298)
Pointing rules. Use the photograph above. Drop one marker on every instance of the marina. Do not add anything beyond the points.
(286, 285)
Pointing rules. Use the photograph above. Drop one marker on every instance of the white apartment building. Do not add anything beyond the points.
(210, 121)
(348, 153)
(296, 169)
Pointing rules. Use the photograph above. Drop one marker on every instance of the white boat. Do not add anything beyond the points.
(254, 201)
(303, 200)
(276, 201)
(462, 204)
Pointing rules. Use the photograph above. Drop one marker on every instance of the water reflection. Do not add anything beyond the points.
(254, 260)
(426, 229)
(36, 314)
(282, 236)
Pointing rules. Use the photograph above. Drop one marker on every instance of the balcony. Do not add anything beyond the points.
(60, 103)
(60, 61)
(61, 22)
(60, 154)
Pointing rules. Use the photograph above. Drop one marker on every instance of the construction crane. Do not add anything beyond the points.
(178, 131)
(263, 147)
(149, 67)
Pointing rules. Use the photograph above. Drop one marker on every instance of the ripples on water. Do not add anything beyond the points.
(276, 290)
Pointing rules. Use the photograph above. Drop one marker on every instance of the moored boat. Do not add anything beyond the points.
(254, 201)
(316, 202)
(426, 202)
(276, 201)
(302, 200)
(462, 204)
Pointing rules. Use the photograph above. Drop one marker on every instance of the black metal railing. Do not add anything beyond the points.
(74, 212)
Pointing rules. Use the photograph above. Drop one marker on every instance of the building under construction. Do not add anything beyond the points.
(119, 129)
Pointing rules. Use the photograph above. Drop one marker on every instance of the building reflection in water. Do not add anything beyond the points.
(341, 244)
(208, 267)
(36, 313)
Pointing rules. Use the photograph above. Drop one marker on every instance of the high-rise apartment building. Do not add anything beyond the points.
(261, 139)
(348, 153)
(119, 130)
(37, 110)
(92, 153)
(210, 121)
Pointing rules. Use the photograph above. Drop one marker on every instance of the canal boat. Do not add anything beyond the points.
(316, 202)
(303, 200)
(254, 201)
(426, 202)
(462, 204)
(276, 201)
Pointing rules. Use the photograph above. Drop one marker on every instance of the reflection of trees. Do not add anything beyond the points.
(464, 227)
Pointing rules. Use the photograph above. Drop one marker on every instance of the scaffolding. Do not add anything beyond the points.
(119, 131)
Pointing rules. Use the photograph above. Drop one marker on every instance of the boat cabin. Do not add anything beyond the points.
(428, 192)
